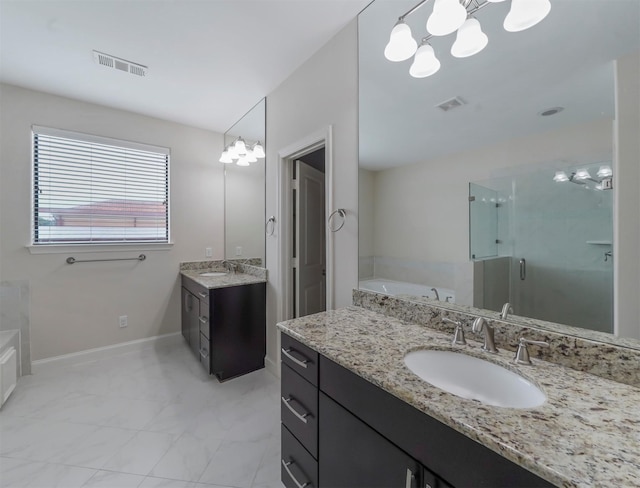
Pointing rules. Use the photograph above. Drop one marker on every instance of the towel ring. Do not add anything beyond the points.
(272, 221)
(343, 215)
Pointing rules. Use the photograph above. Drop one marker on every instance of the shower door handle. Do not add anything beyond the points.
(523, 269)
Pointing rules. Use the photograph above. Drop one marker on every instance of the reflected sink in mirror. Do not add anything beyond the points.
(213, 274)
(474, 378)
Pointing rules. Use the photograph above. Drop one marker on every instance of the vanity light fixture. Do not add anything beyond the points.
(604, 172)
(449, 16)
(242, 154)
(258, 150)
(603, 180)
(560, 177)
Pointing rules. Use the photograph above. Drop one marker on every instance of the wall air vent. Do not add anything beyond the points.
(120, 64)
(451, 104)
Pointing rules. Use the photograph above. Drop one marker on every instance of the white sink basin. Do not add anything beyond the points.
(474, 378)
(213, 274)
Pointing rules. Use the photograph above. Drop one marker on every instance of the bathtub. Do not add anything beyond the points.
(389, 287)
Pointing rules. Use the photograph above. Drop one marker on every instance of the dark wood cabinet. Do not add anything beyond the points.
(190, 320)
(226, 327)
(353, 455)
(369, 438)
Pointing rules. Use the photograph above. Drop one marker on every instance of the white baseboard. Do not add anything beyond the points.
(104, 352)
(272, 366)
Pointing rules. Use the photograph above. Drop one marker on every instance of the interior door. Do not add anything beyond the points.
(310, 241)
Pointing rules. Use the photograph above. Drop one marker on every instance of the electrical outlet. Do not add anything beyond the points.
(238, 250)
(123, 321)
(208, 252)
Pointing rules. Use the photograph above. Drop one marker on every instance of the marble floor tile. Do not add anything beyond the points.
(141, 453)
(149, 418)
(235, 463)
(112, 479)
(95, 450)
(187, 458)
(18, 473)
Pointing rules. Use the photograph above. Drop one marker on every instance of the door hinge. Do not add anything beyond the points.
(294, 184)
(472, 199)
(294, 263)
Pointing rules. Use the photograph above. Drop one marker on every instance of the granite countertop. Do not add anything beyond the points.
(586, 434)
(229, 279)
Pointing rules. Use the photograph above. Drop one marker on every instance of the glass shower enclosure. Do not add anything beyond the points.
(542, 241)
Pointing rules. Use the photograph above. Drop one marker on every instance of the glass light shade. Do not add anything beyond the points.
(605, 172)
(447, 17)
(401, 45)
(251, 157)
(240, 147)
(258, 150)
(560, 176)
(582, 174)
(225, 157)
(470, 39)
(232, 151)
(424, 63)
(525, 14)
(242, 161)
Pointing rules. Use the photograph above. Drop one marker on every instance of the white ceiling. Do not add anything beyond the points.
(566, 60)
(209, 61)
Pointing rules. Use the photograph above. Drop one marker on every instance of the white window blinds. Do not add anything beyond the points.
(89, 189)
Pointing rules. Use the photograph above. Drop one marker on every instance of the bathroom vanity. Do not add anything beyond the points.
(224, 320)
(354, 415)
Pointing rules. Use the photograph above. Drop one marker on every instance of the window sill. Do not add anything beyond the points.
(76, 248)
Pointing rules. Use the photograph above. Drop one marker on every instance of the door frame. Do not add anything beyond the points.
(286, 158)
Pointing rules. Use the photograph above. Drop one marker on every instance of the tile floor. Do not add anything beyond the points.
(149, 419)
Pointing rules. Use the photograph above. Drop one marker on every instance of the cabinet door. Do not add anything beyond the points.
(194, 326)
(353, 455)
(187, 314)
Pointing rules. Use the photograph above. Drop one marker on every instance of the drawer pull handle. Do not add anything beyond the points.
(287, 352)
(203, 295)
(286, 464)
(203, 320)
(204, 353)
(409, 480)
(301, 416)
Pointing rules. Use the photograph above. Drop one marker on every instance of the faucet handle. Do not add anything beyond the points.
(458, 335)
(522, 354)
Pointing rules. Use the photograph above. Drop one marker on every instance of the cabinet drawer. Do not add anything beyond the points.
(202, 292)
(299, 408)
(203, 320)
(300, 358)
(297, 465)
(205, 360)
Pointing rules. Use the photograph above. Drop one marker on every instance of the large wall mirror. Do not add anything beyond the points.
(491, 149)
(244, 190)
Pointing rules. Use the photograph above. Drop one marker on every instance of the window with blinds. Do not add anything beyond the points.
(90, 189)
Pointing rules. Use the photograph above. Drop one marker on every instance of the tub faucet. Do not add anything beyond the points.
(481, 325)
(506, 310)
(434, 290)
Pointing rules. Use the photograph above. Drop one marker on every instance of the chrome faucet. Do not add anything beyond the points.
(230, 266)
(522, 354)
(506, 310)
(434, 290)
(480, 325)
(458, 335)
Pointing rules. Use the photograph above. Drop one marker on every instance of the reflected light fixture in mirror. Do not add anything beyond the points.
(241, 154)
(449, 16)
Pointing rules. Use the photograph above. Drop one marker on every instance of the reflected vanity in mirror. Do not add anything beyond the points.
(244, 190)
(507, 122)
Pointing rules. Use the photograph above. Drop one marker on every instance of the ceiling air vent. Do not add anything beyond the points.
(119, 64)
(451, 104)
